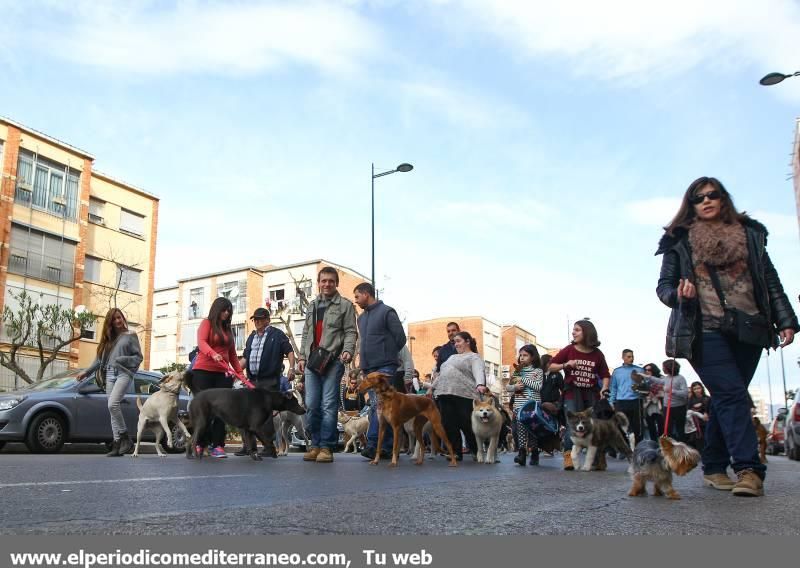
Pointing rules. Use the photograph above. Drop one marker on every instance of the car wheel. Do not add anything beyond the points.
(46, 434)
(178, 441)
(2, 445)
(793, 454)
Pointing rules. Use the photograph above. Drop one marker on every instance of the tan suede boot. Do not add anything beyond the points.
(568, 466)
(749, 484)
(719, 481)
(311, 455)
(325, 456)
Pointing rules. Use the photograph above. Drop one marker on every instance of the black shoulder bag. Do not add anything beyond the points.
(320, 358)
(753, 330)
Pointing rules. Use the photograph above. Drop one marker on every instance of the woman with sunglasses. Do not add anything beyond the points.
(715, 261)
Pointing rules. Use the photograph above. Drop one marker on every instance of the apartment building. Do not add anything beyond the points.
(74, 235)
(281, 288)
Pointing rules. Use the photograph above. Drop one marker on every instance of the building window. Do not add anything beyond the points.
(162, 311)
(91, 270)
(236, 292)
(97, 211)
(196, 303)
(88, 332)
(238, 335)
(41, 255)
(277, 299)
(130, 222)
(47, 186)
(161, 343)
(128, 278)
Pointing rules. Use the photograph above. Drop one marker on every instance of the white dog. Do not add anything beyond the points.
(354, 427)
(159, 410)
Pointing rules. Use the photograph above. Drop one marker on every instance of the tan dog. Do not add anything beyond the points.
(284, 421)
(486, 425)
(160, 410)
(397, 409)
(415, 445)
(355, 427)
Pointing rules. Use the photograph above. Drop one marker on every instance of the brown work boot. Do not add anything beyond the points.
(749, 484)
(719, 481)
(568, 466)
(325, 456)
(311, 455)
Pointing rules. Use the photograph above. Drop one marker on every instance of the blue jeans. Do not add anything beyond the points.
(322, 404)
(372, 432)
(726, 369)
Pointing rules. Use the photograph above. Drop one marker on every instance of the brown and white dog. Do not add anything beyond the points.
(487, 422)
(596, 435)
(160, 410)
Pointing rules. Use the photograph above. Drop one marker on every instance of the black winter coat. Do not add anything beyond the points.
(684, 330)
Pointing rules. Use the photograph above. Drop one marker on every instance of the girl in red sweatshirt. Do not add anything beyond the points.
(217, 351)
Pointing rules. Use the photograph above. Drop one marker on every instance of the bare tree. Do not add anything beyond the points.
(49, 328)
(286, 311)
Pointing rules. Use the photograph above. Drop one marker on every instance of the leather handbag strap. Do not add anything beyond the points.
(712, 272)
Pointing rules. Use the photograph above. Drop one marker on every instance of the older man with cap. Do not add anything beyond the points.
(264, 352)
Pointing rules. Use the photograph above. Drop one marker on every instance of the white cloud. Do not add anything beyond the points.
(637, 41)
(210, 37)
(779, 225)
(656, 211)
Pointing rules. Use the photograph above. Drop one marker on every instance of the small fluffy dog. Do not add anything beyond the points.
(596, 435)
(160, 410)
(355, 427)
(656, 461)
(487, 421)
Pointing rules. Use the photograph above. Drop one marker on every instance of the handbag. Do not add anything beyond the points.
(738, 325)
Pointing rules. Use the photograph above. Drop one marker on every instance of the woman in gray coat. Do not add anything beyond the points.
(118, 358)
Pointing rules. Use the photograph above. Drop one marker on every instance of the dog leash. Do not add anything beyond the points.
(244, 380)
(672, 374)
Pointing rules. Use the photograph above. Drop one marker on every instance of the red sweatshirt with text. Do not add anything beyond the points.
(591, 367)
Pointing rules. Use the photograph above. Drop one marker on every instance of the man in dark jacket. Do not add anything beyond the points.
(264, 352)
(381, 337)
(448, 349)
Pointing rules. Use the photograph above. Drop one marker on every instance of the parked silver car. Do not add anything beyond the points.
(791, 429)
(64, 409)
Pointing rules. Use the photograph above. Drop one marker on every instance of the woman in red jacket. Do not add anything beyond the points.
(217, 351)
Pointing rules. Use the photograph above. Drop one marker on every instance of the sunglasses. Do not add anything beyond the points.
(700, 197)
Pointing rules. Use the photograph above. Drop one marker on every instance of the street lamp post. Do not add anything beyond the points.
(775, 78)
(401, 168)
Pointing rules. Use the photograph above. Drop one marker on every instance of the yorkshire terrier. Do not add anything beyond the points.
(656, 461)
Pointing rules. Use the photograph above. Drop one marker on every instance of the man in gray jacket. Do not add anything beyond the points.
(329, 341)
(381, 340)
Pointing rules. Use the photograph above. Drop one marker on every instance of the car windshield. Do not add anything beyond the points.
(60, 382)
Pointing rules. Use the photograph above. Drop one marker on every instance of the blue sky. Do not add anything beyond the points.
(550, 142)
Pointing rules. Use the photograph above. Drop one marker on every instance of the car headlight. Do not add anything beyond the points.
(9, 403)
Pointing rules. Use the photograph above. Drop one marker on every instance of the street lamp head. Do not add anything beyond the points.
(405, 168)
(773, 78)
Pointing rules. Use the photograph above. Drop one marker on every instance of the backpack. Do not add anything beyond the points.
(537, 420)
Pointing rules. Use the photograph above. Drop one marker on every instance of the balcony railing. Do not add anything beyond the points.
(43, 267)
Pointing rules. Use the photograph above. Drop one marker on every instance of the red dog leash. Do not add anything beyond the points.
(244, 380)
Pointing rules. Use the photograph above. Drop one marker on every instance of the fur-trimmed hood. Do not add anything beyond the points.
(668, 241)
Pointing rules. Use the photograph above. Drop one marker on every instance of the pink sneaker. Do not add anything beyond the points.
(217, 452)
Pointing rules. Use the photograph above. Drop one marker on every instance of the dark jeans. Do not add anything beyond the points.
(204, 380)
(677, 423)
(726, 369)
(269, 383)
(655, 425)
(456, 418)
(632, 410)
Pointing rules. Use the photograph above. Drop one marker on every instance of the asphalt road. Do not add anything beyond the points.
(83, 492)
